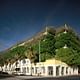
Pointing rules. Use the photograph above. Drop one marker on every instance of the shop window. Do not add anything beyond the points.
(27, 69)
(24, 70)
(50, 70)
(57, 70)
(66, 70)
(62, 71)
(32, 70)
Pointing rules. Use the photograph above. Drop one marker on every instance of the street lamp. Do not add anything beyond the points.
(45, 33)
(39, 51)
(39, 58)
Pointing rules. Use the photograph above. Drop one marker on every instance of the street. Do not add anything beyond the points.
(41, 78)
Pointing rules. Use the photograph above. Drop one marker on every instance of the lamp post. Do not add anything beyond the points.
(39, 59)
(39, 51)
(45, 33)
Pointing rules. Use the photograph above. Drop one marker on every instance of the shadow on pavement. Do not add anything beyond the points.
(4, 75)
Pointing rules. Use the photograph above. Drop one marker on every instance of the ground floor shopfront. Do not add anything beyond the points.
(51, 67)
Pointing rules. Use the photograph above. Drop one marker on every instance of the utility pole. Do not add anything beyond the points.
(39, 52)
(45, 33)
(39, 58)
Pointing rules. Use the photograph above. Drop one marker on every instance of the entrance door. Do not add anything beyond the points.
(57, 70)
(62, 72)
(50, 70)
(24, 70)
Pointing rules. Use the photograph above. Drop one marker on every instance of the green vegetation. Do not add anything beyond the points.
(68, 56)
(51, 46)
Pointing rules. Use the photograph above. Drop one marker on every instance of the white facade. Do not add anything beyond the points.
(50, 67)
(45, 69)
(0, 68)
(21, 67)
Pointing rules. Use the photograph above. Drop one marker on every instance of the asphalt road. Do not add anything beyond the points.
(57, 78)
(41, 78)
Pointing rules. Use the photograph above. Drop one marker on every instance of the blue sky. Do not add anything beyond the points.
(21, 19)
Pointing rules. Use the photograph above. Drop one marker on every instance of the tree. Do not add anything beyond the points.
(31, 54)
(1, 60)
(69, 56)
(47, 48)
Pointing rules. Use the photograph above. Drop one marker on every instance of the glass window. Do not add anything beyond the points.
(24, 61)
(66, 70)
(62, 71)
(57, 70)
(32, 70)
(24, 70)
(50, 70)
(27, 69)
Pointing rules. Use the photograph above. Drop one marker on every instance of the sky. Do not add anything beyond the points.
(21, 19)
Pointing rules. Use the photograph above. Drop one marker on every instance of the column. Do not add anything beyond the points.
(46, 70)
(68, 70)
(64, 72)
(76, 70)
(60, 68)
(34, 71)
(71, 70)
(54, 68)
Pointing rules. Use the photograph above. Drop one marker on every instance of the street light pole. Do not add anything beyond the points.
(45, 33)
(39, 52)
(39, 59)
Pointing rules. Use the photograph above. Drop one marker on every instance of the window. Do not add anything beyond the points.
(27, 69)
(32, 70)
(50, 70)
(57, 70)
(24, 70)
(62, 71)
(17, 64)
(66, 70)
(17, 69)
(24, 61)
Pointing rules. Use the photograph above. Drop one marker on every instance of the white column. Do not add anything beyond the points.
(64, 70)
(76, 70)
(34, 71)
(54, 68)
(30, 69)
(60, 68)
(21, 69)
(71, 71)
(46, 70)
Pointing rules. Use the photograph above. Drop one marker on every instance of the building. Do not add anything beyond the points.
(21, 67)
(51, 67)
(18, 67)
